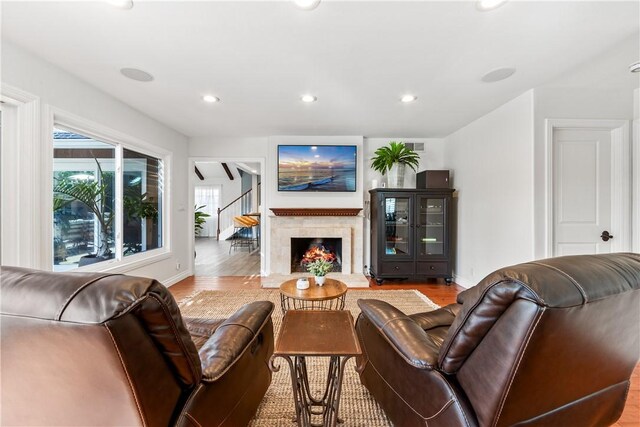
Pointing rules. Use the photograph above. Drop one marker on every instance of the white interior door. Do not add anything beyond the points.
(582, 160)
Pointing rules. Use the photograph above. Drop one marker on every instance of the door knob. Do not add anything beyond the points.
(606, 236)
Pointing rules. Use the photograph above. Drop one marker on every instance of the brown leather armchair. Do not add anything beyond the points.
(100, 349)
(551, 342)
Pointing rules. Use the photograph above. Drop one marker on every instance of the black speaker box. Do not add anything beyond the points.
(432, 179)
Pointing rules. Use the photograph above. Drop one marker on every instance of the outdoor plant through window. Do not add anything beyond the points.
(142, 183)
(84, 201)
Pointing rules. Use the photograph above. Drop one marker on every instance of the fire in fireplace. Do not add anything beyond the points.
(306, 250)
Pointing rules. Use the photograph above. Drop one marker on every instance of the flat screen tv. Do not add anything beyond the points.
(313, 168)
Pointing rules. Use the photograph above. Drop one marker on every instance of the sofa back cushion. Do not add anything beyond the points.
(557, 282)
(110, 341)
(537, 336)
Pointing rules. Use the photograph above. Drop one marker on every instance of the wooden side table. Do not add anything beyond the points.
(330, 296)
(307, 333)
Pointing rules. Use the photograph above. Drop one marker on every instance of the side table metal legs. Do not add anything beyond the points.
(288, 303)
(308, 408)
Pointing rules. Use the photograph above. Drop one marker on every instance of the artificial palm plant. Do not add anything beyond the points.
(393, 158)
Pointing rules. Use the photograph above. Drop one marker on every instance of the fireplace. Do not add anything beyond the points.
(307, 249)
(285, 228)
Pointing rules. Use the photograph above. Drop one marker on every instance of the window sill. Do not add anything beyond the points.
(129, 263)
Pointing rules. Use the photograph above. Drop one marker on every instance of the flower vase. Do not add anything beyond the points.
(395, 176)
(320, 280)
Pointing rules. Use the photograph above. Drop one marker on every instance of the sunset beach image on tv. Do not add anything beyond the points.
(317, 168)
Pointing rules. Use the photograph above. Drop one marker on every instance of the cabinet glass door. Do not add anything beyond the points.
(397, 233)
(431, 226)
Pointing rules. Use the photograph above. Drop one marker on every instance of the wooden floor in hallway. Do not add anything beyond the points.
(213, 259)
(439, 293)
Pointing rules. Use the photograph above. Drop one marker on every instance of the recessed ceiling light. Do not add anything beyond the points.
(136, 74)
(307, 4)
(485, 5)
(498, 74)
(408, 98)
(308, 98)
(122, 4)
(210, 99)
(254, 171)
(635, 67)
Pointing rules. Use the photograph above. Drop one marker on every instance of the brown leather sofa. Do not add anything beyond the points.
(82, 349)
(551, 342)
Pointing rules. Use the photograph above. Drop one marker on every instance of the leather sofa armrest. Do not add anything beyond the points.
(232, 338)
(441, 317)
(404, 335)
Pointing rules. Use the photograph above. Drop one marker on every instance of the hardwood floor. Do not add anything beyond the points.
(213, 259)
(436, 292)
(192, 284)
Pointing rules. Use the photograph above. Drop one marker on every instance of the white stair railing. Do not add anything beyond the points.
(238, 207)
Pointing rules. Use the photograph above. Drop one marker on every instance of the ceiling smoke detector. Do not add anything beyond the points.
(635, 67)
(136, 74)
(498, 74)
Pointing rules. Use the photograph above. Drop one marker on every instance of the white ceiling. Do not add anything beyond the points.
(357, 57)
(211, 170)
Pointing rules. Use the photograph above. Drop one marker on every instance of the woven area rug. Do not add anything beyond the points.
(357, 406)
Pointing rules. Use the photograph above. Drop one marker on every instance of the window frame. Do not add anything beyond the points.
(66, 121)
(21, 150)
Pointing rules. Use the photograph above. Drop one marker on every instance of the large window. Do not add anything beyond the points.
(86, 202)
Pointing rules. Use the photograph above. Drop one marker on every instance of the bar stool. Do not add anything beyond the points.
(243, 232)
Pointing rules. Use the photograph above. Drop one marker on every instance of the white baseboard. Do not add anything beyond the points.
(463, 282)
(175, 279)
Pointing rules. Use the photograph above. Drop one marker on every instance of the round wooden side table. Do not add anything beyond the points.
(330, 296)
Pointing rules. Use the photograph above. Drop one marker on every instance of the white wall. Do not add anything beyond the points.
(56, 88)
(498, 161)
(635, 170)
(602, 88)
(492, 170)
(229, 148)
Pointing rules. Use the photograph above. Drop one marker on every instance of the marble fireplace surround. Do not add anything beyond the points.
(309, 223)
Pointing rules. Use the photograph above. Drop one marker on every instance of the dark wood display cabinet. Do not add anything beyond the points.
(411, 234)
